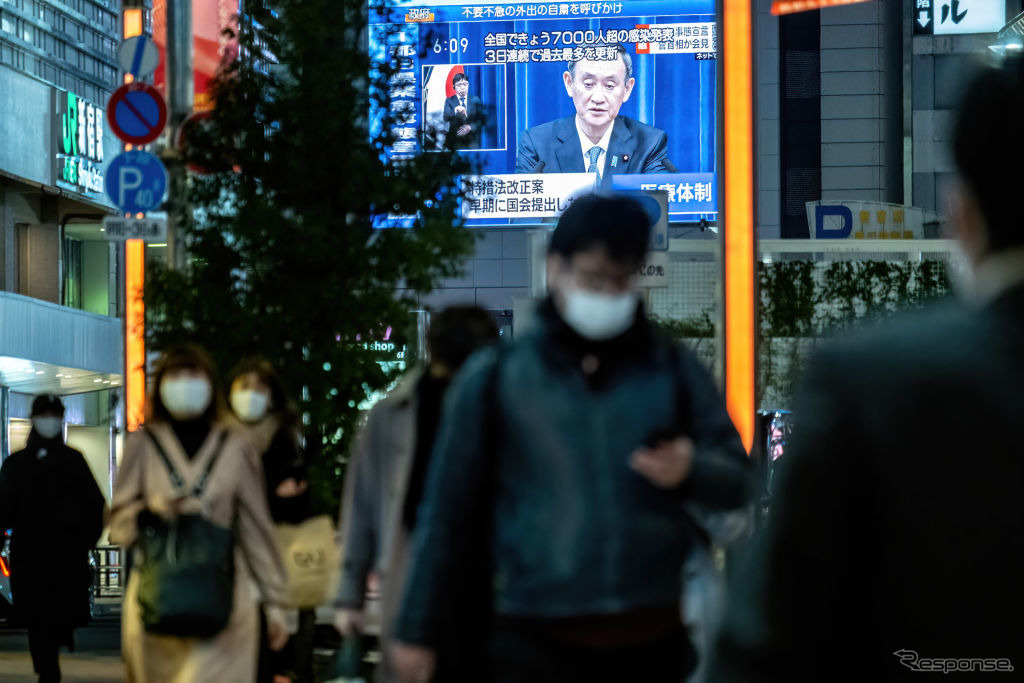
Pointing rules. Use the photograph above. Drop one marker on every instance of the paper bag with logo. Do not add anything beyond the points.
(311, 559)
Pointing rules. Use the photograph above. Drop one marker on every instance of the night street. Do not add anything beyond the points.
(97, 656)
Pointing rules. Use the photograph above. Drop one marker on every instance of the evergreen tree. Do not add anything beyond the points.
(284, 259)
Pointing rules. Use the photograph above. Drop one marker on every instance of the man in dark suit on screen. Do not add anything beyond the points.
(464, 115)
(895, 545)
(596, 140)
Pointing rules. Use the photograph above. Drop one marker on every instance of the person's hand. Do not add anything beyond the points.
(289, 488)
(277, 629)
(460, 110)
(667, 465)
(169, 507)
(349, 621)
(464, 130)
(413, 663)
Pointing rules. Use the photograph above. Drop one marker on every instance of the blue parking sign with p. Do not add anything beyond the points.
(136, 182)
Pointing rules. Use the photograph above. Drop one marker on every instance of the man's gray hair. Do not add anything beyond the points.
(620, 51)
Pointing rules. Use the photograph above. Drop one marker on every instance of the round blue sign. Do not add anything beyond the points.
(136, 182)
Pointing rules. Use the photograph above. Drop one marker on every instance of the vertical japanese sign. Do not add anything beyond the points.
(78, 133)
(945, 17)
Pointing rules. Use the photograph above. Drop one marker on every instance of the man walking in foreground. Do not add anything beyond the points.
(896, 546)
(573, 451)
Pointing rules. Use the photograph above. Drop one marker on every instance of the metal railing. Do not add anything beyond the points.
(109, 577)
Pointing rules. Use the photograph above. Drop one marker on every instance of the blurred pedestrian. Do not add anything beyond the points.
(188, 461)
(51, 503)
(895, 546)
(578, 444)
(384, 485)
(259, 400)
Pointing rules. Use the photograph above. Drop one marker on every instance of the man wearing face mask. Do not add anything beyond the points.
(579, 444)
(50, 501)
(896, 546)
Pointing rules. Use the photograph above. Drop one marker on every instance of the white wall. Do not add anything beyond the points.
(853, 102)
(94, 442)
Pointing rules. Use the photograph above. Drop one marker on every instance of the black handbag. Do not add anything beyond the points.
(185, 566)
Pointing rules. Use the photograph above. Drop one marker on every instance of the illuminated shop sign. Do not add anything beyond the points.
(78, 135)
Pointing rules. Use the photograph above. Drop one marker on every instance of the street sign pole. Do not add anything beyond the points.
(179, 101)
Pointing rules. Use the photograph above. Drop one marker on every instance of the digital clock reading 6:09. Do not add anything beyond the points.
(452, 45)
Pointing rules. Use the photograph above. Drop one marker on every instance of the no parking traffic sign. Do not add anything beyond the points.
(137, 113)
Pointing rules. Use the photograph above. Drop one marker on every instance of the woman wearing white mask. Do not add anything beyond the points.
(260, 401)
(50, 501)
(190, 460)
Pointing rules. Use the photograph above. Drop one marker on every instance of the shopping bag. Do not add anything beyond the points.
(311, 559)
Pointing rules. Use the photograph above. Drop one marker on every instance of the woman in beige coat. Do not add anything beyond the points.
(185, 416)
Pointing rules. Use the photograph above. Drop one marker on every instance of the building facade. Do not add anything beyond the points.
(60, 280)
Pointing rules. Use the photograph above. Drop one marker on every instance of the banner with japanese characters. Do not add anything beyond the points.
(620, 91)
(523, 196)
(944, 17)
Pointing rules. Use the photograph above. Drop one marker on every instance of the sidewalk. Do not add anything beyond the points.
(97, 656)
(16, 667)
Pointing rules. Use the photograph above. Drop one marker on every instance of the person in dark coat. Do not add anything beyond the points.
(260, 401)
(562, 467)
(895, 546)
(464, 114)
(54, 509)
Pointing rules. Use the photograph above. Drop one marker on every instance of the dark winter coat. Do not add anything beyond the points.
(54, 509)
(575, 531)
(896, 539)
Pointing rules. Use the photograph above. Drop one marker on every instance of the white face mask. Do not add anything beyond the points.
(187, 397)
(249, 405)
(48, 427)
(599, 316)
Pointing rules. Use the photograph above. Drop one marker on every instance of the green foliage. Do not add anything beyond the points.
(802, 302)
(284, 259)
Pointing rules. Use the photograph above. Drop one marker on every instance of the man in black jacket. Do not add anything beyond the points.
(50, 501)
(577, 446)
(896, 544)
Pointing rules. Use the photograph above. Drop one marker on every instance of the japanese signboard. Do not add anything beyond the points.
(863, 220)
(945, 17)
(120, 228)
(653, 272)
(78, 132)
(523, 195)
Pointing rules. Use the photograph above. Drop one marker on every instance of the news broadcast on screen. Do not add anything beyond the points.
(550, 100)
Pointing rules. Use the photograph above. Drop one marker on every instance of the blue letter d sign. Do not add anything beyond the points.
(832, 232)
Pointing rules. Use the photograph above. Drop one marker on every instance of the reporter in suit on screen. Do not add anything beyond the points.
(596, 140)
(464, 114)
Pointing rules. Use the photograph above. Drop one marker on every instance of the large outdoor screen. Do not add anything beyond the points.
(550, 99)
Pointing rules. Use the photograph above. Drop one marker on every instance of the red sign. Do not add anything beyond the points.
(137, 113)
(214, 27)
(780, 7)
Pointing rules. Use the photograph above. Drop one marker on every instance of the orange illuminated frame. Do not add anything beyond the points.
(738, 229)
(135, 307)
(135, 334)
(793, 6)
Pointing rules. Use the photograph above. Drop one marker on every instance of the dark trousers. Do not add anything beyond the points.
(44, 644)
(519, 656)
(296, 659)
